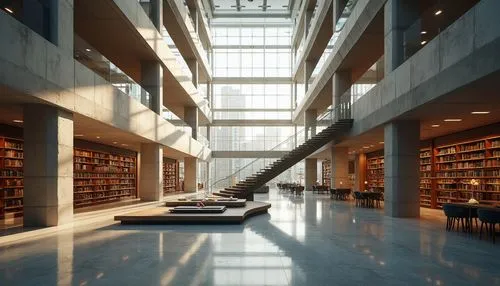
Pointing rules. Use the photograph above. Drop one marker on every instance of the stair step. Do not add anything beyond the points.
(231, 193)
(221, 195)
(237, 189)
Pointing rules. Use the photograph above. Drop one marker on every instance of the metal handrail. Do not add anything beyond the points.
(289, 139)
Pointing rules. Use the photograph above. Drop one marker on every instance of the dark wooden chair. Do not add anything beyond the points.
(490, 217)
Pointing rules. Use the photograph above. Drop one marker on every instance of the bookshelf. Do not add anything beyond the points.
(468, 170)
(101, 177)
(326, 173)
(170, 177)
(375, 174)
(11, 177)
(426, 177)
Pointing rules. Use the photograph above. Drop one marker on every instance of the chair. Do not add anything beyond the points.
(456, 214)
(490, 217)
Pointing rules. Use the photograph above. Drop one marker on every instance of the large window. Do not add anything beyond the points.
(252, 138)
(252, 96)
(252, 62)
(252, 51)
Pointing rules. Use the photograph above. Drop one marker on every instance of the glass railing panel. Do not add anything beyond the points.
(178, 57)
(95, 61)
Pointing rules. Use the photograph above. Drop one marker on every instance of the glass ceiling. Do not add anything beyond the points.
(233, 8)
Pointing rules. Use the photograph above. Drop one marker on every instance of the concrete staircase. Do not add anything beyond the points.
(244, 189)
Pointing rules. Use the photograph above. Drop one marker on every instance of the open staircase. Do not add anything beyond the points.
(244, 189)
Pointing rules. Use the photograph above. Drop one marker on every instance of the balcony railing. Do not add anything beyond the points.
(95, 61)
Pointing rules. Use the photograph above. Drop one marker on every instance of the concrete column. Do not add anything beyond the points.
(340, 167)
(360, 172)
(341, 82)
(191, 119)
(156, 14)
(190, 171)
(338, 8)
(308, 70)
(48, 166)
(194, 17)
(401, 168)
(311, 173)
(194, 68)
(60, 24)
(310, 123)
(307, 20)
(398, 16)
(151, 172)
(152, 82)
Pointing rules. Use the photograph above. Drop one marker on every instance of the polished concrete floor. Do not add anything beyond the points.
(305, 241)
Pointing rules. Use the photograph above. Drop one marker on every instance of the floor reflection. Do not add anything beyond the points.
(302, 241)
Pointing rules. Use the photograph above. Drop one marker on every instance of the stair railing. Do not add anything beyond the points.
(341, 111)
(260, 163)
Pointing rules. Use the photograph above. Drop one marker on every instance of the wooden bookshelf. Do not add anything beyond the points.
(426, 177)
(326, 172)
(375, 174)
(468, 170)
(101, 177)
(11, 177)
(170, 176)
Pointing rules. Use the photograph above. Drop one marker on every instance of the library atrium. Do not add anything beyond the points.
(249, 142)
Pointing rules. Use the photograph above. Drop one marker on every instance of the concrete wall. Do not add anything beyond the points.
(361, 16)
(40, 72)
(464, 52)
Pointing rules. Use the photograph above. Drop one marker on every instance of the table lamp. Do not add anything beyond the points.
(474, 184)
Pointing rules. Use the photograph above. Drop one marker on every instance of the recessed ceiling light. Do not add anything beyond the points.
(423, 43)
(124, 145)
(480, 112)
(98, 137)
(115, 142)
(9, 10)
(453, 120)
(438, 12)
(17, 121)
(78, 135)
(435, 125)
(423, 32)
(365, 147)
(88, 50)
(371, 145)
(381, 142)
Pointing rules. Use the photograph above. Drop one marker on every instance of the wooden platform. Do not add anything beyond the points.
(229, 204)
(161, 215)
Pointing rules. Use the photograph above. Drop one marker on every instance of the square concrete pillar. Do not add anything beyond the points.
(308, 15)
(310, 123)
(340, 167)
(194, 68)
(338, 8)
(190, 171)
(401, 169)
(48, 166)
(152, 82)
(360, 172)
(151, 172)
(308, 70)
(191, 119)
(341, 82)
(61, 23)
(156, 14)
(311, 173)
(399, 15)
(194, 17)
